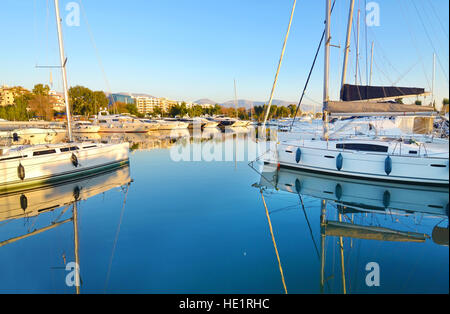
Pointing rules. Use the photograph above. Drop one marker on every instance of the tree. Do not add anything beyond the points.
(292, 109)
(41, 106)
(19, 111)
(445, 106)
(81, 100)
(100, 101)
(40, 89)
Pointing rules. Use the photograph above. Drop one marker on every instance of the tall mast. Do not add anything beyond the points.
(347, 42)
(357, 48)
(279, 66)
(371, 65)
(63, 69)
(326, 96)
(433, 79)
(235, 98)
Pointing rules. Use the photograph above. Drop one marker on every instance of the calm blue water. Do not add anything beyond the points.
(201, 227)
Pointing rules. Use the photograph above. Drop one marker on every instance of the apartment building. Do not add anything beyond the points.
(6, 96)
(149, 104)
(57, 101)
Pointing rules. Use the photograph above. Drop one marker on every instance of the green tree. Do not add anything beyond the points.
(40, 89)
(19, 111)
(292, 108)
(82, 100)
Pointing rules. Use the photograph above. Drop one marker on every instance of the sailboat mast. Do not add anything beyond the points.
(279, 66)
(347, 43)
(326, 96)
(235, 99)
(357, 47)
(371, 65)
(433, 79)
(63, 69)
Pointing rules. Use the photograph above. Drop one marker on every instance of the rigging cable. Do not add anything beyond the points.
(431, 42)
(99, 59)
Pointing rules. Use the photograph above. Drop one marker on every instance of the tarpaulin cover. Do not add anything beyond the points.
(354, 92)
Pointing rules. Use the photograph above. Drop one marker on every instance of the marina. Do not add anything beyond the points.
(344, 192)
(396, 224)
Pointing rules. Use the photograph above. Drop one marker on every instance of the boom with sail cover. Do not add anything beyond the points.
(353, 107)
(356, 92)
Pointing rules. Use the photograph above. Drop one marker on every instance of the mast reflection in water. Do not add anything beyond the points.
(354, 211)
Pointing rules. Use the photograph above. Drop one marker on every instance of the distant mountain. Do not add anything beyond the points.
(138, 95)
(130, 94)
(205, 101)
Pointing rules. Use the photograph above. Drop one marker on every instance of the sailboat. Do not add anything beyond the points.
(29, 166)
(412, 160)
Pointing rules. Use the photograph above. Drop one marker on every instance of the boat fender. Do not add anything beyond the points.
(440, 235)
(339, 162)
(21, 172)
(338, 191)
(298, 155)
(386, 199)
(298, 186)
(15, 137)
(23, 202)
(388, 165)
(76, 193)
(74, 160)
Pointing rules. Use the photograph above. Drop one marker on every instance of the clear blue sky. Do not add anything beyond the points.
(191, 49)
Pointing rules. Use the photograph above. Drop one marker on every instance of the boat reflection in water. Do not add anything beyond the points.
(164, 139)
(353, 209)
(59, 199)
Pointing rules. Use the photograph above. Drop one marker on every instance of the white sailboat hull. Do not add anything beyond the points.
(23, 168)
(320, 156)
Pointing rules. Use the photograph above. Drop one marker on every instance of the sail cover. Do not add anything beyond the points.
(355, 92)
(373, 107)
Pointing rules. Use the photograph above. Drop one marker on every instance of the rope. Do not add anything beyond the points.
(274, 243)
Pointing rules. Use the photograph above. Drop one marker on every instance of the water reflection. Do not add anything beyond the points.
(61, 200)
(354, 210)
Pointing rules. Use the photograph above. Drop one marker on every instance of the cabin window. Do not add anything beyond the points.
(90, 146)
(44, 152)
(103, 121)
(414, 152)
(66, 149)
(363, 147)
